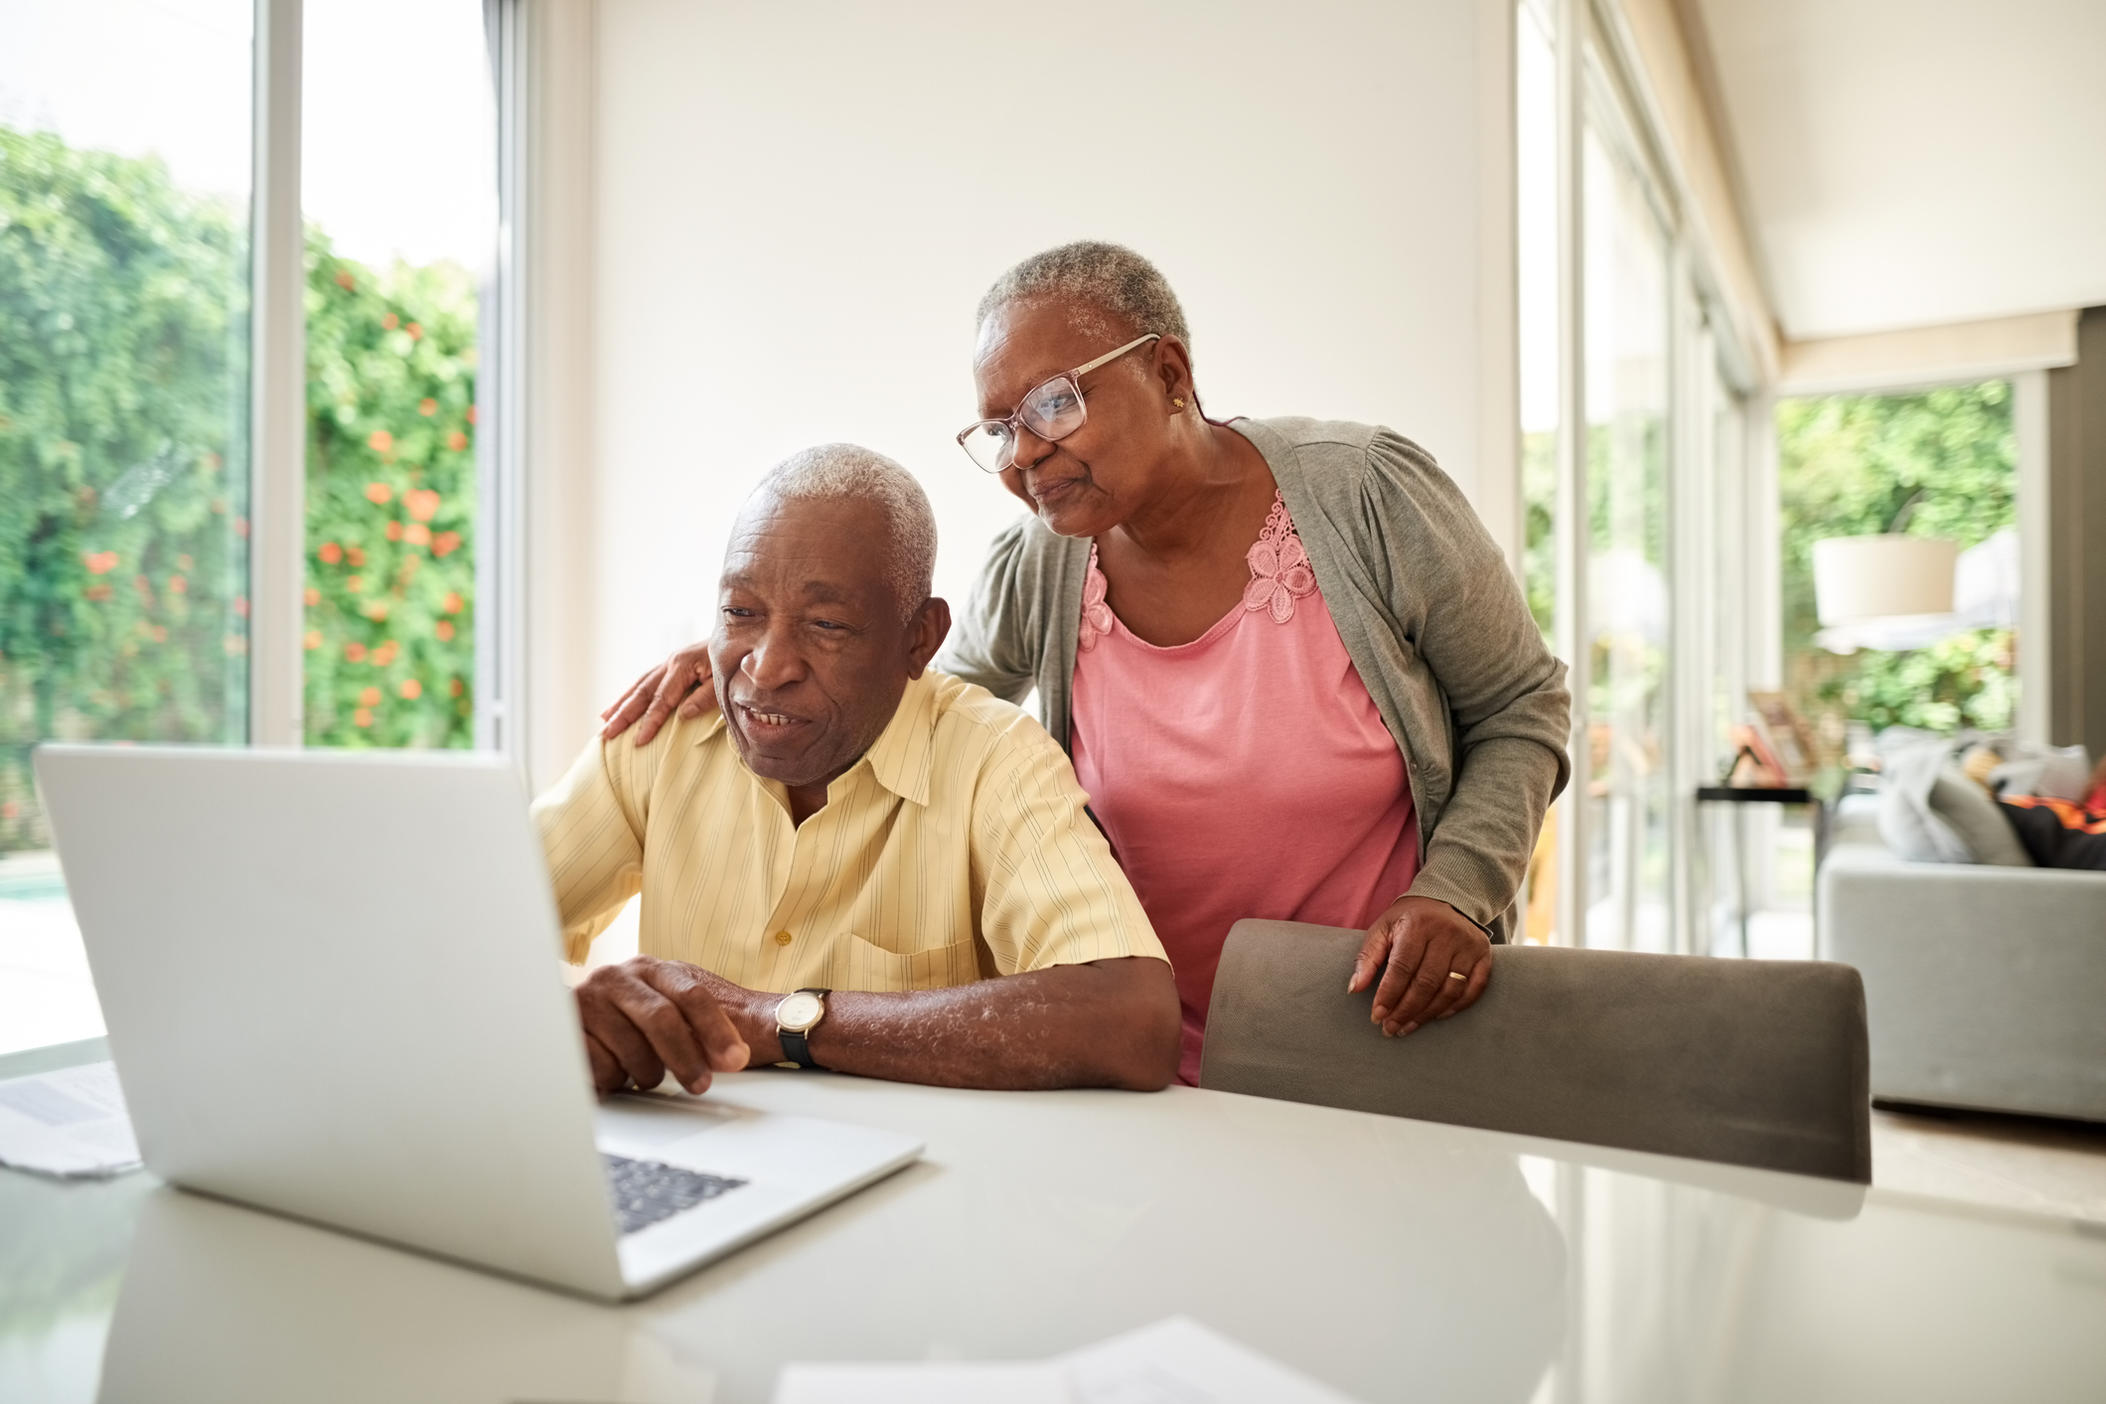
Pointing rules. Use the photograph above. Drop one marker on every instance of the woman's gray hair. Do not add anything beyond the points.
(1123, 290)
(832, 472)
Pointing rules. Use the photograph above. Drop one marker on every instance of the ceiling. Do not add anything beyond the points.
(1910, 163)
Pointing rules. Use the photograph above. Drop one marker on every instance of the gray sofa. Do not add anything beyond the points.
(1985, 987)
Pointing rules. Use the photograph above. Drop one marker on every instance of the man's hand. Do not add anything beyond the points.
(683, 682)
(1413, 946)
(646, 1017)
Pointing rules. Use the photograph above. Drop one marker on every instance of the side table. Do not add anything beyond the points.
(1739, 796)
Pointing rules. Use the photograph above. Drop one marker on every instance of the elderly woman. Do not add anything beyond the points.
(1294, 673)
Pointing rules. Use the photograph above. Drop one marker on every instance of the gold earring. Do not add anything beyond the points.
(1178, 403)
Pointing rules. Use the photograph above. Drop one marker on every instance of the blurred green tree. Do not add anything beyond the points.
(1941, 462)
(124, 469)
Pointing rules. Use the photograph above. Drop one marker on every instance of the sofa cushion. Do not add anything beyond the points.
(1930, 812)
(1975, 816)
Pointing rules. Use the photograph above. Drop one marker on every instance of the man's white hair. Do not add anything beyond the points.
(1107, 288)
(833, 472)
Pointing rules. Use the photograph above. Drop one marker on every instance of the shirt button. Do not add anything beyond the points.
(782, 938)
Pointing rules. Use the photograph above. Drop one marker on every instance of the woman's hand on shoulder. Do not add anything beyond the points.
(1412, 956)
(682, 683)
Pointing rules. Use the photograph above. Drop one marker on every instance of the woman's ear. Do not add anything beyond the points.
(1173, 369)
(926, 631)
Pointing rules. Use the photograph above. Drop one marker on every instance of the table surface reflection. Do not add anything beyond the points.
(1392, 1259)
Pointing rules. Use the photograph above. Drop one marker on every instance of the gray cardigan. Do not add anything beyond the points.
(1431, 617)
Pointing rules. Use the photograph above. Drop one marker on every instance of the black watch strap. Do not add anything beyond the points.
(794, 1047)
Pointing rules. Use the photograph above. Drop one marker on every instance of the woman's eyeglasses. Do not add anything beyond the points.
(1052, 411)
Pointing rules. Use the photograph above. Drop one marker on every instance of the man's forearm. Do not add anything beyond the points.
(1113, 1023)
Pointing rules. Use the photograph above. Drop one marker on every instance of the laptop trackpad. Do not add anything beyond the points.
(634, 1123)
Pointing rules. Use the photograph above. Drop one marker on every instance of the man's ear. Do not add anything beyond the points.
(926, 631)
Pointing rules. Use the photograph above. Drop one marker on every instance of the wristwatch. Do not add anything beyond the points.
(796, 1016)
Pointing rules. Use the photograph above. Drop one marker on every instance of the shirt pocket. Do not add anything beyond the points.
(857, 963)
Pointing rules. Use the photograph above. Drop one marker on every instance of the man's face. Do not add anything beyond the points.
(810, 652)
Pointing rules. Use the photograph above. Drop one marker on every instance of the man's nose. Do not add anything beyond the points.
(775, 661)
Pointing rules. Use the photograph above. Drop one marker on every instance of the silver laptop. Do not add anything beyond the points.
(332, 990)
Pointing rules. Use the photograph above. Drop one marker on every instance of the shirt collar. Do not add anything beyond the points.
(902, 757)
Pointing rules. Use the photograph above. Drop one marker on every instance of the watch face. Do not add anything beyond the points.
(799, 1011)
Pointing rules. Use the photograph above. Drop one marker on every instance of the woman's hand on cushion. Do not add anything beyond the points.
(682, 683)
(1407, 957)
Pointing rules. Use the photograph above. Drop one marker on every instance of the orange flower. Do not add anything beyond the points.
(423, 503)
(177, 585)
(99, 562)
(452, 603)
(241, 527)
(385, 654)
(427, 407)
(355, 583)
(446, 543)
(356, 556)
(160, 633)
(354, 653)
(456, 441)
(394, 531)
(362, 717)
(241, 606)
(312, 638)
(471, 414)
(416, 333)
(418, 534)
(454, 687)
(345, 281)
(412, 689)
(391, 321)
(330, 553)
(313, 597)
(183, 561)
(376, 610)
(444, 629)
(370, 697)
(97, 593)
(379, 494)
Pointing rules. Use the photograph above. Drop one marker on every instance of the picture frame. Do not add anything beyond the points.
(1791, 741)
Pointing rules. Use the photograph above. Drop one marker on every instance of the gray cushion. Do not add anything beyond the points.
(1758, 1063)
(1973, 814)
(1908, 822)
(2056, 772)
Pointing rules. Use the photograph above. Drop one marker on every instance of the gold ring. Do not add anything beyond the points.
(1457, 975)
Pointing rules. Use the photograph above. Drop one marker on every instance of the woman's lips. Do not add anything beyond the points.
(1046, 493)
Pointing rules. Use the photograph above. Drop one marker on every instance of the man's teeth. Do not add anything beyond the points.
(770, 718)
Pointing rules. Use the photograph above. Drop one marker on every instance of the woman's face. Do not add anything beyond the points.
(1090, 481)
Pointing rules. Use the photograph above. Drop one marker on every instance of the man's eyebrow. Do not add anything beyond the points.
(823, 592)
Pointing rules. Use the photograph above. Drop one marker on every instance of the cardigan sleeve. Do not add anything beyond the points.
(989, 643)
(1465, 614)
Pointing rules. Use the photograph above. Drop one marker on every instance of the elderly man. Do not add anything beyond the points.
(854, 863)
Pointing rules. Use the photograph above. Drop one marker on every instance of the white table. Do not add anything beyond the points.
(1393, 1259)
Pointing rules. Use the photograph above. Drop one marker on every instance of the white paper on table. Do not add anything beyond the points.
(70, 1123)
(1179, 1361)
(1175, 1361)
(923, 1382)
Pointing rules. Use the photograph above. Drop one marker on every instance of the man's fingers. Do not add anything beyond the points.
(722, 1047)
(624, 1042)
(659, 1021)
(607, 1074)
(1372, 952)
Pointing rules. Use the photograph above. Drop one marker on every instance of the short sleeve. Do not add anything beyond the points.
(1049, 891)
(592, 830)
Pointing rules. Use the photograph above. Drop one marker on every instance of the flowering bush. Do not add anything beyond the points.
(124, 470)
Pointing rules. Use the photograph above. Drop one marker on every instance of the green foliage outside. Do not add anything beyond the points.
(1943, 462)
(123, 475)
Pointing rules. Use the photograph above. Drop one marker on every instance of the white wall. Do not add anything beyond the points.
(797, 207)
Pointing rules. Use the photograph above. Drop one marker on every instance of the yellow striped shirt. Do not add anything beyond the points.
(956, 848)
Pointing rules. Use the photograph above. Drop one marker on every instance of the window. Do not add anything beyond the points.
(129, 254)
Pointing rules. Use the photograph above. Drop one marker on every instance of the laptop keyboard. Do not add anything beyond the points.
(646, 1192)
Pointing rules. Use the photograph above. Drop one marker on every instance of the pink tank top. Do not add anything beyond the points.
(1243, 774)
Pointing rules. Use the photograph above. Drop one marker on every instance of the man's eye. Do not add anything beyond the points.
(828, 624)
(736, 612)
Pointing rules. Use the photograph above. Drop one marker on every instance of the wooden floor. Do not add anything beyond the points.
(2035, 1164)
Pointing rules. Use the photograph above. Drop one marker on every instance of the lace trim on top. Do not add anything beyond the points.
(1279, 576)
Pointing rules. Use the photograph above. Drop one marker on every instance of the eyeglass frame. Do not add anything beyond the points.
(1074, 378)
